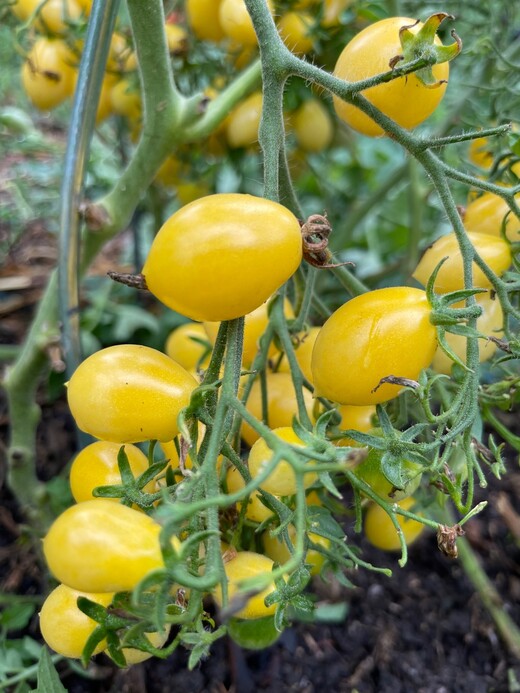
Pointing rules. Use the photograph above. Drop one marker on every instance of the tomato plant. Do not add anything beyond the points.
(370, 470)
(382, 333)
(187, 345)
(232, 240)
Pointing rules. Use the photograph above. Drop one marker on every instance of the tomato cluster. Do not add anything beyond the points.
(304, 394)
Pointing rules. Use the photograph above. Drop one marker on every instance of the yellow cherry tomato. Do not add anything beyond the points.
(405, 100)
(479, 152)
(243, 565)
(236, 22)
(295, 29)
(490, 323)
(204, 19)
(313, 126)
(377, 334)
(129, 393)
(276, 549)
(187, 344)
(256, 510)
(96, 465)
(354, 418)
(100, 546)
(65, 628)
(229, 253)
(105, 98)
(48, 75)
(282, 480)
(243, 122)
(176, 38)
(255, 324)
(134, 656)
(489, 213)
(281, 404)
(382, 534)
(493, 250)
(126, 100)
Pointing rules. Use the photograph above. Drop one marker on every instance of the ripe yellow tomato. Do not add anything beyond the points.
(176, 38)
(187, 345)
(313, 126)
(243, 565)
(356, 419)
(236, 22)
(256, 510)
(488, 213)
(229, 253)
(100, 546)
(276, 549)
(204, 19)
(281, 404)
(129, 393)
(105, 98)
(255, 324)
(243, 122)
(134, 656)
(490, 323)
(479, 152)
(405, 100)
(282, 480)
(295, 30)
(48, 75)
(126, 100)
(382, 534)
(377, 334)
(65, 628)
(332, 9)
(492, 249)
(96, 465)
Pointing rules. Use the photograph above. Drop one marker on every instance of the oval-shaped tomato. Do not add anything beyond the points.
(188, 345)
(48, 75)
(295, 29)
(236, 22)
(282, 406)
(176, 38)
(488, 213)
(134, 656)
(129, 393)
(278, 550)
(282, 480)
(405, 100)
(357, 419)
(222, 256)
(65, 628)
(204, 19)
(96, 465)
(243, 122)
(382, 534)
(370, 471)
(256, 510)
(480, 153)
(243, 565)
(372, 336)
(100, 546)
(490, 323)
(126, 100)
(313, 126)
(493, 250)
(255, 324)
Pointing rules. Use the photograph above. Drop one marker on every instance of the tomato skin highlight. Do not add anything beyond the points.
(405, 99)
(100, 546)
(65, 628)
(374, 335)
(229, 253)
(129, 393)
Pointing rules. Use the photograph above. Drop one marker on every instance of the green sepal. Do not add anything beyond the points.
(421, 45)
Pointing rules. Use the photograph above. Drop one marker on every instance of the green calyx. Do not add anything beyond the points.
(421, 45)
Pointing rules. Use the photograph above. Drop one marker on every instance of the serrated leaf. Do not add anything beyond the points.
(327, 482)
(392, 469)
(321, 522)
(48, 680)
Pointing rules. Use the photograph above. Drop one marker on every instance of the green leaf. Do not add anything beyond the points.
(17, 616)
(48, 678)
